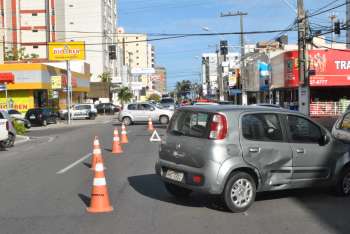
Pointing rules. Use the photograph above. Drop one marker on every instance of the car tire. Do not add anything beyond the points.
(92, 116)
(10, 142)
(241, 200)
(177, 191)
(343, 185)
(27, 125)
(127, 121)
(44, 122)
(164, 119)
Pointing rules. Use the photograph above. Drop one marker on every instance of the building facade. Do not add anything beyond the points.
(39, 85)
(211, 69)
(30, 25)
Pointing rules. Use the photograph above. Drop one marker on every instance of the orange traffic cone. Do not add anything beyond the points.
(116, 149)
(99, 194)
(97, 154)
(124, 139)
(150, 125)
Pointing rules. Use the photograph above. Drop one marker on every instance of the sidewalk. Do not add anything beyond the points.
(100, 119)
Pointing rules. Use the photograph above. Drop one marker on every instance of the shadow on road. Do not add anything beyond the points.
(88, 165)
(151, 186)
(85, 199)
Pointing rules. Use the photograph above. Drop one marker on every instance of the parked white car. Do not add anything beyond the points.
(4, 134)
(141, 112)
(80, 111)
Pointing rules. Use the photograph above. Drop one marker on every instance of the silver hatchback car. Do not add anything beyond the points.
(237, 151)
(141, 112)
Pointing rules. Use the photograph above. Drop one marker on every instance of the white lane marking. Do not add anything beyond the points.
(73, 164)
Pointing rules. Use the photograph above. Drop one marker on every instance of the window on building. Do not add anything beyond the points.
(137, 51)
(35, 47)
(34, 30)
(137, 64)
(137, 38)
(71, 5)
(71, 22)
(34, 14)
(137, 57)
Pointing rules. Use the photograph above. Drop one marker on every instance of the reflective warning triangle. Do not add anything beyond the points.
(155, 137)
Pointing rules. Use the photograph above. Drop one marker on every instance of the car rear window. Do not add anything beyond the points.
(193, 124)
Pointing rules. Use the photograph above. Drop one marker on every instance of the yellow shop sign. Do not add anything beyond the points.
(63, 51)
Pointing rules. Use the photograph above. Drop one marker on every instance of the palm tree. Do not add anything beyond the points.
(107, 79)
(124, 95)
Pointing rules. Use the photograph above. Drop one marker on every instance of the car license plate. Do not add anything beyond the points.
(32, 117)
(173, 175)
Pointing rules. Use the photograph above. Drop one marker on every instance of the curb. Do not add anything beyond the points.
(21, 139)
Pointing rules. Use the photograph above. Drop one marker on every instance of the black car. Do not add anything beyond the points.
(107, 108)
(41, 116)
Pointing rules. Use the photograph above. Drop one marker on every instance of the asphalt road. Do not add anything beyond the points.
(35, 199)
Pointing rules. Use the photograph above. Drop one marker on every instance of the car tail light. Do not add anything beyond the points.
(197, 179)
(218, 127)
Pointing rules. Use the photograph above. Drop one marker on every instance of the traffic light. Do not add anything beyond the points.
(337, 27)
(223, 48)
(112, 52)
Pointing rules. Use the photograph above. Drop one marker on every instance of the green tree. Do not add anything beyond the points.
(17, 55)
(106, 78)
(183, 87)
(154, 97)
(124, 95)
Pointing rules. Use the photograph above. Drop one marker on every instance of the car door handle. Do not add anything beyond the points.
(254, 150)
(300, 151)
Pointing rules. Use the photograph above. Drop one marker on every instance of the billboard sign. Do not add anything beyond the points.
(66, 51)
(56, 82)
(264, 76)
(143, 71)
(329, 68)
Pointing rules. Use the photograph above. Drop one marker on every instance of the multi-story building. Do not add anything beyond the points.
(32, 24)
(97, 19)
(135, 49)
(210, 71)
(139, 55)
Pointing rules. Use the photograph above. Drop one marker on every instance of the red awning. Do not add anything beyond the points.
(7, 78)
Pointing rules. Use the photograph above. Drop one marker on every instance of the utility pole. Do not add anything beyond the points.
(244, 88)
(333, 18)
(304, 84)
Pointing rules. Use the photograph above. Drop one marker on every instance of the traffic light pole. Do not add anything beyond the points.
(243, 80)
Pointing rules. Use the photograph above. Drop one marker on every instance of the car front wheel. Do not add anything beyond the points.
(239, 193)
(127, 121)
(177, 191)
(164, 119)
(343, 185)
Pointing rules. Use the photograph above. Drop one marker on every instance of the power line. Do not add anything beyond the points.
(325, 6)
(327, 10)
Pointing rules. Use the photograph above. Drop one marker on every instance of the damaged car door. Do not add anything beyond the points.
(341, 129)
(313, 152)
(265, 147)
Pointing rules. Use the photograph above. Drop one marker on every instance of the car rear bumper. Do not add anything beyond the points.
(208, 173)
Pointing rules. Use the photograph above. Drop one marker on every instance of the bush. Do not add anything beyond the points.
(19, 126)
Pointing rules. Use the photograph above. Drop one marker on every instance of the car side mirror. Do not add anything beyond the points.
(153, 109)
(324, 140)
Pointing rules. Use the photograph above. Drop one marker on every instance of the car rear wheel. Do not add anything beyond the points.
(92, 116)
(177, 191)
(343, 185)
(10, 142)
(239, 193)
(127, 121)
(164, 119)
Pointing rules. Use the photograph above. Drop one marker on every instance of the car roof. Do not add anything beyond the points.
(236, 108)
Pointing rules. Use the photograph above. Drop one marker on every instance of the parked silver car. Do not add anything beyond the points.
(141, 112)
(237, 151)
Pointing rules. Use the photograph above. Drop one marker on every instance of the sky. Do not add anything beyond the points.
(182, 57)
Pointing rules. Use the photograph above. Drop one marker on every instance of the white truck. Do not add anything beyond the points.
(4, 134)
